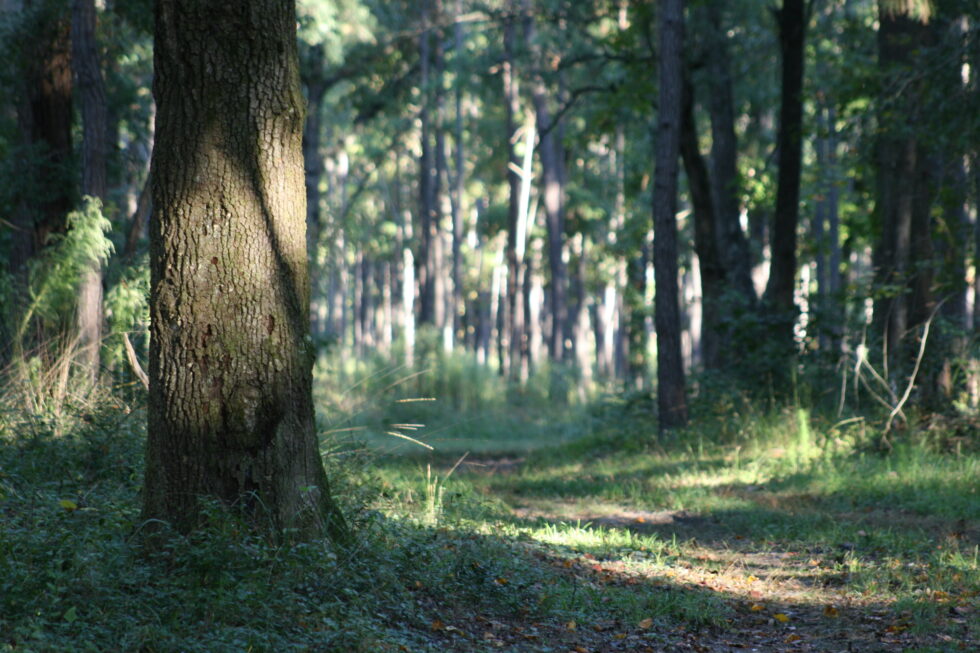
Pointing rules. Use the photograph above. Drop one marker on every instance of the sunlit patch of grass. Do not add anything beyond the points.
(818, 519)
(598, 541)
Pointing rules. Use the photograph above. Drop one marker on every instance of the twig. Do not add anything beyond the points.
(134, 362)
(915, 371)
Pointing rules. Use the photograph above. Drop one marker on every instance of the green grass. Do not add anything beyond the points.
(564, 527)
(815, 514)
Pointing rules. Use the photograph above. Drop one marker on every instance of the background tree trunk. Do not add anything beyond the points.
(705, 236)
(553, 191)
(902, 206)
(316, 89)
(458, 186)
(671, 400)
(782, 273)
(732, 248)
(512, 331)
(44, 119)
(91, 91)
(428, 222)
(230, 407)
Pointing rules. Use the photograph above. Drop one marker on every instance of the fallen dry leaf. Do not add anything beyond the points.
(780, 617)
(646, 623)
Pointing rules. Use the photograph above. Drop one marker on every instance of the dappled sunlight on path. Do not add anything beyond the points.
(795, 574)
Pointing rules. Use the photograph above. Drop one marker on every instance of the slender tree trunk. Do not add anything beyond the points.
(732, 248)
(139, 220)
(953, 228)
(975, 168)
(230, 407)
(553, 191)
(713, 271)
(386, 280)
(820, 301)
(605, 331)
(442, 199)
(91, 91)
(459, 298)
(498, 317)
(633, 300)
(903, 194)
(408, 304)
(780, 290)
(671, 400)
(834, 280)
(578, 316)
(512, 332)
(427, 179)
(532, 296)
(313, 165)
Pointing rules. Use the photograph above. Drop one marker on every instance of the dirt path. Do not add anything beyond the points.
(780, 599)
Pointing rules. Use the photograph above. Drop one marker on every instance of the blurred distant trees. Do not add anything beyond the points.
(480, 180)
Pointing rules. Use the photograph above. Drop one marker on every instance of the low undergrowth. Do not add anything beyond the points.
(770, 530)
(424, 567)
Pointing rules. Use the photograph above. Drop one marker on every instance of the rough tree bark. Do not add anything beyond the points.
(671, 400)
(230, 406)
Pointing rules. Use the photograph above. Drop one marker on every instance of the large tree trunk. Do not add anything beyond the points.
(230, 407)
(779, 293)
(91, 91)
(671, 400)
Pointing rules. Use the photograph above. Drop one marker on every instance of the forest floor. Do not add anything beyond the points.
(782, 548)
(574, 530)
